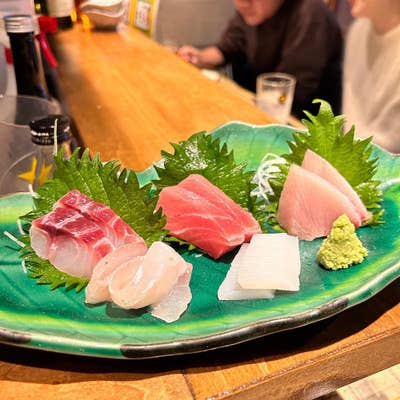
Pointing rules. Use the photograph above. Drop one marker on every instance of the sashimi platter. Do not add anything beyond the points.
(237, 233)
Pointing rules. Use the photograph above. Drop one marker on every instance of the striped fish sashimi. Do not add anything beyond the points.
(74, 241)
(314, 163)
(114, 227)
(202, 214)
(309, 205)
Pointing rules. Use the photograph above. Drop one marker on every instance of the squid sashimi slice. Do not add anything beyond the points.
(200, 185)
(314, 163)
(230, 288)
(194, 218)
(71, 242)
(309, 205)
(149, 279)
(97, 290)
(118, 231)
(271, 261)
(171, 307)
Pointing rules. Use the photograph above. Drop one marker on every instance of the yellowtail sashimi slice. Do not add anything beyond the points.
(231, 290)
(309, 205)
(271, 261)
(314, 163)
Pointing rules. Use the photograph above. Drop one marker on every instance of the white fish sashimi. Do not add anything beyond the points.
(97, 290)
(171, 307)
(230, 288)
(159, 279)
(271, 261)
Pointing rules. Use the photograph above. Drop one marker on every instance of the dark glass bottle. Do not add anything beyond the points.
(26, 57)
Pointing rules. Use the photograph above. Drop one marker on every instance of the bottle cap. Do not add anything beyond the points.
(19, 23)
(42, 130)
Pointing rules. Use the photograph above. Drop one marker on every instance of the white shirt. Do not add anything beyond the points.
(371, 84)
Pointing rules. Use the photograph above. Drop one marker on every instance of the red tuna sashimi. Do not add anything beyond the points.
(200, 185)
(314, 163)
(309, 205)
(202, 220)
(71, 242)
(118, 231)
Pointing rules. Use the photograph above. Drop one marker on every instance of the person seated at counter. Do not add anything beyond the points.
(371, 85)
(301, 38)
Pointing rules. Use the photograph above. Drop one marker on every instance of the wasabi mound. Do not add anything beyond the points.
(342, 247)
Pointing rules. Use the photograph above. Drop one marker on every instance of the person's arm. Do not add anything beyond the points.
(209, 57)
(230, 44)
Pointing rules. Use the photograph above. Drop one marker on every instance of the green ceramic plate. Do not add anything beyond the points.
(33, 316)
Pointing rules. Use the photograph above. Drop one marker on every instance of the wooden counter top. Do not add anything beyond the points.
(129, 99)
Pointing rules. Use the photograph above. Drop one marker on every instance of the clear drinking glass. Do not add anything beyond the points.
(274, 95)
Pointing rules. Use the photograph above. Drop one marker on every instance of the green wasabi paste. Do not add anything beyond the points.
(342, 247)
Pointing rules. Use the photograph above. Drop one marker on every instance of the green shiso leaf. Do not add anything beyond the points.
(351, 157)
(203, 154)
(102, 182)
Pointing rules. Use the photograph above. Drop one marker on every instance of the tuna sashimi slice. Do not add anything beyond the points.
(71, 242)
(97, 290)
(200, 185)
(193, 218)
(314, 163)
(118, 231)
(196, 212)
(149, 279)
(309, 205)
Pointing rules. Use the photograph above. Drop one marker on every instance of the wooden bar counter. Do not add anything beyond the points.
(129, 99)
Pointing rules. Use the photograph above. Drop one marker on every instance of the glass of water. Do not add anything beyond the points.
(274, 94)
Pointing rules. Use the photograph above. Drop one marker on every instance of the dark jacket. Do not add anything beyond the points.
(303, 39)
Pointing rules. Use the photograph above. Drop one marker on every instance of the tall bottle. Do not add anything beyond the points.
(62, 10)
(26, 57)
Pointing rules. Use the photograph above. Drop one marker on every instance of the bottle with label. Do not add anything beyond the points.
(48, 136)
(62, 10)
(26, 57)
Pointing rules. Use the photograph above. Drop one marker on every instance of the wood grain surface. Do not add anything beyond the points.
(129, 98)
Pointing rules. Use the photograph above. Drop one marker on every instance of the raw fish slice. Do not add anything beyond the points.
(215, 235)
(309, 205)
(114, 227)
(271, 261)
(154, 277)
(193, 218)
(172, 306)
(74, 243)
(200, 185)
(97, 290)
(314, 163)
(230, 288)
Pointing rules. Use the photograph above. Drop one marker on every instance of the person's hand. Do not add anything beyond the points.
(209, 57)
(190, 54)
